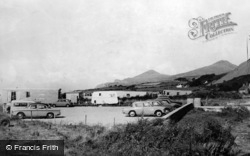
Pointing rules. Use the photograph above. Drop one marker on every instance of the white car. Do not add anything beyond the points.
(146, 108)
(36, 110)
(17, 104)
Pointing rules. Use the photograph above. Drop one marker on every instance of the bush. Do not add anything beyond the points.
(156, 138)
(215, 94)
(235, 114)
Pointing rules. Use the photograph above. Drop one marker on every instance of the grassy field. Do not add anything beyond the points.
(198, 133)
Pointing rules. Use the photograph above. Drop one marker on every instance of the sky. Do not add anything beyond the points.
(82, 43)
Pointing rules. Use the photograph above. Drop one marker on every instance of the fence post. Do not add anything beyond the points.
(142, 112)
(54, 119)
(85, 119)
(31, 116)
(114, 121)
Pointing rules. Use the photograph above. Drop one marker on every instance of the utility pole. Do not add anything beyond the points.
(247, 52)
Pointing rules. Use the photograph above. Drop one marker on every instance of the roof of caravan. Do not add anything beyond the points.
(122, 91)
(104, 91)
(74, 92)
(184, 89)
(16, 89)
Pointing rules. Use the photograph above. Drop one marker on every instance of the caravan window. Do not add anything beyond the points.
(100, 94)
(27, 94)
(13, 96)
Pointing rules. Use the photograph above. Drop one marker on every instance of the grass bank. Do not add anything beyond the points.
(198, 133)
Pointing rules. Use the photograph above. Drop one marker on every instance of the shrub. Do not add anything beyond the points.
(155, 138)
(215, 94)
(235, 114)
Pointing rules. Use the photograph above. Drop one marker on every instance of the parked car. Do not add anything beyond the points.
(166, 101)
(4, 120)
(169, 106)
(62, 103)
(17, 104)
(146, 108)
(36, 110)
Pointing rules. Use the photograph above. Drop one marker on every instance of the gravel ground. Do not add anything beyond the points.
(106, 116)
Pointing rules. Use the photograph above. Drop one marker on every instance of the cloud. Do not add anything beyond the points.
(79, 44)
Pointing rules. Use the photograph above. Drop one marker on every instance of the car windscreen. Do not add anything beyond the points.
(139, 104)
(155, 103)
(147, 104)
(39, 106)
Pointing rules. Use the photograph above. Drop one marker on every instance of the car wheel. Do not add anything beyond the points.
(132, 113)
(54, 105)
(5, 123)
(50, 115)
(67, 105)
(20, 115)
(158, 113)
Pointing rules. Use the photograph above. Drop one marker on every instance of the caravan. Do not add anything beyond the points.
(104, 97)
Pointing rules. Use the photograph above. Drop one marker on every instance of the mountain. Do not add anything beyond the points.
(148, 76)
(153, 76)
(242, 69)
(217, 68)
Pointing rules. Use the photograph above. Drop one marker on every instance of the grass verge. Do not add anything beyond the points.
(198, 133)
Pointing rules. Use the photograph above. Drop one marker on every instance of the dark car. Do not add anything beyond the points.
(4, 120)
(166, 101)
(63, 103)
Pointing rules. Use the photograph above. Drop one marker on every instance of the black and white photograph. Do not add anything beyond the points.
(125, 77)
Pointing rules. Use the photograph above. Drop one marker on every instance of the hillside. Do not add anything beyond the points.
(148, 76)
(153, 76)
(242, 69)
(234, 84)
(217, 68)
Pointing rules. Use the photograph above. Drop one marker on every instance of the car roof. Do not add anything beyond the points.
(147, 101)
(26, 101)
(152, 101)
(38, 103)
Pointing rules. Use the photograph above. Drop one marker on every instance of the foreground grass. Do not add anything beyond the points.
(198, 133)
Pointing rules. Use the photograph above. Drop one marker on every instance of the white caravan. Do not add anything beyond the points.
(104, 97)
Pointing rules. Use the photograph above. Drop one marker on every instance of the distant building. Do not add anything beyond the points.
(74, 96)
(87, 94)
(177, 92)
(244, 89)
(37, 95)
(179, 86)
